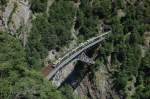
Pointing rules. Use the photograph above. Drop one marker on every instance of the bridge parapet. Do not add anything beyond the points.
(75, 53)
(80, 47)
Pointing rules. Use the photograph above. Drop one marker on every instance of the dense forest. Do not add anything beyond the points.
(128, 21)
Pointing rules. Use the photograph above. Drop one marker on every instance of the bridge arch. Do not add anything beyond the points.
(73, 55)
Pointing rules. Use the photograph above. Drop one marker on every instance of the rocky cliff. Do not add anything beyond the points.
(15, 17)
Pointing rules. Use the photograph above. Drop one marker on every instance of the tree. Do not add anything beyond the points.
(87, 22)
(102, 8)
(38, 5)
(68, 92)
(3, 2)
(17, 80)
(121, 80)
(61, 20)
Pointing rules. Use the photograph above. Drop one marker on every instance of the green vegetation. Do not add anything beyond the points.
(18, 81)
(38, 5)
(86, 21)
(17, 75)
(128, 24)
(50, 32)
(61, 15)
(128, 21)
(68, 92)
(11, 14)
(124, 45)
(3, 2)
(143, 78)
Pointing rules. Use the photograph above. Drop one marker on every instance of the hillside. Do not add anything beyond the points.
(37, 35)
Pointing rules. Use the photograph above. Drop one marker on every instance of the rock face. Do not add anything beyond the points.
(16, 18)
(99, 88)
(147, 39)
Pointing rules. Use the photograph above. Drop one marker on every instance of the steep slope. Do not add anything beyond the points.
(31, 29)
(17, 80)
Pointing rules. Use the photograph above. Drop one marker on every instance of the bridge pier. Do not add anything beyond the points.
(62, 69)
(62, 74)
(84, 58)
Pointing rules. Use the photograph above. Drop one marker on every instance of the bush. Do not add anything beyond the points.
(38, 6)
(16, 80)
(3, 2)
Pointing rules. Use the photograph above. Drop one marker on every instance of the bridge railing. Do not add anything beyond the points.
(75, 52)
(82, 45)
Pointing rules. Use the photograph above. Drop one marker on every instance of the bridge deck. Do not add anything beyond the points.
(75, 52)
